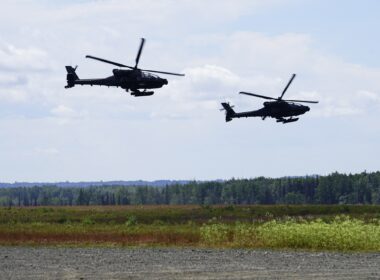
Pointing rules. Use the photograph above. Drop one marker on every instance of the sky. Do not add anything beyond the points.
(49, 133)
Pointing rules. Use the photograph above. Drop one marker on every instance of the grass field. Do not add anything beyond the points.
(316, 227)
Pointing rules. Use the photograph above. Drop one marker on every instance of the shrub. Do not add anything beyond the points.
(343, 234)
(245, 235)
(215, 234)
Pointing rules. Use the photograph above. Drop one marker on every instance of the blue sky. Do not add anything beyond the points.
(86, 133)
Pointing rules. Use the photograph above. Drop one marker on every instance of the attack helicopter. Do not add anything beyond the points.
(133, 79)
(282, 110)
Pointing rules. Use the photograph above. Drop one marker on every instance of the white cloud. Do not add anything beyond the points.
(205, 83)
(22, 59)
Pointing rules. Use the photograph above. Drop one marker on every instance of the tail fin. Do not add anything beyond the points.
(229, 111)
(71, 76)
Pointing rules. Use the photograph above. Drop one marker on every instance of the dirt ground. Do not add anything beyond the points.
(108, 263)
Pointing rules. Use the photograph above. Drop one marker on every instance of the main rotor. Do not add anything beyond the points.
(137, 60)
(279, 99)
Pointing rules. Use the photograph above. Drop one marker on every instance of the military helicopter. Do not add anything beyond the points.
(280, 109)
(132, 79)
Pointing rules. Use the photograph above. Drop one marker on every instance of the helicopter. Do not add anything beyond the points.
(132, 79)
(282, 110)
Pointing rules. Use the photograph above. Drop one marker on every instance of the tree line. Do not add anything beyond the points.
(336, 188)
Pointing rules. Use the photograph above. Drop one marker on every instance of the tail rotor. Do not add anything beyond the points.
(230, 113)
(71, 76)
(223, 109)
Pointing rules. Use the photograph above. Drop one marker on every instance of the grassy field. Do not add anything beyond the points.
(316, 227)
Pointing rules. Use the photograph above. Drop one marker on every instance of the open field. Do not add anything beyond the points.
(317, 227)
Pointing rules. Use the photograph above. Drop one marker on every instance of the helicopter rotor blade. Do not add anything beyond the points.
(139, 51)
(163, 72)
(108, 61)
(301, 101)
(287, 86)
(257, 95)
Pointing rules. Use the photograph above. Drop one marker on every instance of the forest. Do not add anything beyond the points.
(336, 188)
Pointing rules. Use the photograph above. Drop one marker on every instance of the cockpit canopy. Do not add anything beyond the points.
(148, 75)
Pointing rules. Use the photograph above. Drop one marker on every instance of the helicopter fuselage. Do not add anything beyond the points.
(276, 109)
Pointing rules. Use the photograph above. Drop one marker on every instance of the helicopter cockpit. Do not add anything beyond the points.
(148, 75)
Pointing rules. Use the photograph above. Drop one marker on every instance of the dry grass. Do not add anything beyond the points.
(172, 239)
(79, 234)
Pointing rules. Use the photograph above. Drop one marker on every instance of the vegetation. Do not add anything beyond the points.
(316, 227)
(363, 188)
(147, 215)
(305, 212)
(343, 234)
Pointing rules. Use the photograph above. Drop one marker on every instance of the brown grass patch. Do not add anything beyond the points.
(38, 238)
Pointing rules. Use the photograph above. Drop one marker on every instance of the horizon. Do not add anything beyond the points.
(186, 180)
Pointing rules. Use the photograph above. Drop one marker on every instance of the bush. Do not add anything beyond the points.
(343, 234)
(215, 234)
(245, 235)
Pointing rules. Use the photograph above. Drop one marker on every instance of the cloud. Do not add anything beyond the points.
(205, 83)
(22, 59)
